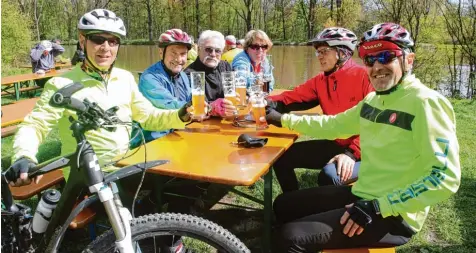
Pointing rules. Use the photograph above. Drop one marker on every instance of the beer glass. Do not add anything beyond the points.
(258, 109)
(228, 82)
(267, 72)
(198, 94)
(241, 78)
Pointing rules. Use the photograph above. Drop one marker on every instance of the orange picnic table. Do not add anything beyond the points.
(14, 81)
(15, 112)
(58, 65)
(204, 152)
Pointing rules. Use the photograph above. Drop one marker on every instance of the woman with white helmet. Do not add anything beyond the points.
(341, 85)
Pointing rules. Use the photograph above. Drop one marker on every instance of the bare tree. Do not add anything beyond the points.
(460, 19)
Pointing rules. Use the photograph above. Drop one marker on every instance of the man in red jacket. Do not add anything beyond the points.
(340, 86)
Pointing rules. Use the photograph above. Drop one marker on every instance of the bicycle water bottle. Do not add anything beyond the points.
(45, 209)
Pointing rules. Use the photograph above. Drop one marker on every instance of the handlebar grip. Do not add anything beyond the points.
(34, 171)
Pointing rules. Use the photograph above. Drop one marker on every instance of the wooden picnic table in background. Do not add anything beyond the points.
(15, 113)
(58, 65)
(14, 81)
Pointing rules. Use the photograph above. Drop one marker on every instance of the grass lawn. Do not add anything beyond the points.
(450, 227)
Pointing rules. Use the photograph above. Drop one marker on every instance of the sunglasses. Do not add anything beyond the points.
(210, 50)
(384, 58)
(99, 40)
(257, 47)
(323, 51)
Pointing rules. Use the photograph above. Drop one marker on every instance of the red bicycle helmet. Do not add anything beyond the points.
(389, 32)
(175, 37)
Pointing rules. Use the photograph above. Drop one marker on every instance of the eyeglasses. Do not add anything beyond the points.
(384, 58)
(323, 51)
(257, 47)
(210, 50)
(99, 40)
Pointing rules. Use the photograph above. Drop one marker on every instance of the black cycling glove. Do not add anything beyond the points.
(273, 117)
(183, 114)
(363, 212)
(21, 165)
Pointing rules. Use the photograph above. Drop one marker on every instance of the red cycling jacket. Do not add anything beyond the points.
(336, 93)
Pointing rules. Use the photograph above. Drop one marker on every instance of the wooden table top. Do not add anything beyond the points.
(57, 65)
(8, 80)
(204, 151)
(14, 113)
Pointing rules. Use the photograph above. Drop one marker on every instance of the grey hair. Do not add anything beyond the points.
(210, 34)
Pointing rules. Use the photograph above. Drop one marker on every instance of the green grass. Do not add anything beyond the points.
(450, 226)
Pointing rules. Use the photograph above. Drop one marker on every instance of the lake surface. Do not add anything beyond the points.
(293, 65)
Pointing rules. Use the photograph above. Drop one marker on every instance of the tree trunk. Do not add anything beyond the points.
(149, 19)
(197, 19)
(311, 18)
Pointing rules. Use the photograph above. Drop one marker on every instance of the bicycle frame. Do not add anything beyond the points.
(89, 174)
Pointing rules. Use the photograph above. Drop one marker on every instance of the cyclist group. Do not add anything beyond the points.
(380, 123)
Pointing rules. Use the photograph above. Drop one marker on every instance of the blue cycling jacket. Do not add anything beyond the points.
(164, 92)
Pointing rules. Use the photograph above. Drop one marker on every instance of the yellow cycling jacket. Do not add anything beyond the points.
(121, 90)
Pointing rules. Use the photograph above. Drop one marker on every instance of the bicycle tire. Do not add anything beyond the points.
(162, 224)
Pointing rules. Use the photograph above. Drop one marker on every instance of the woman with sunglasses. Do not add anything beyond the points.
(340, 86)
(410, 158)
(253, 58)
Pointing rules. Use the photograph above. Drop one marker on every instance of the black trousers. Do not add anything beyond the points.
(309, 220)
(313, 154)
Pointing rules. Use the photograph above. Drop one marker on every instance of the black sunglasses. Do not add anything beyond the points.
(257, 47)
(384, 58)
(210, 50)
(99, 40)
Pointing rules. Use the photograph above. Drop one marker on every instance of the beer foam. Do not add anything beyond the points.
(198, 92)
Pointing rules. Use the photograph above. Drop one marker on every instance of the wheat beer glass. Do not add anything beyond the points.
(258, 109)
(198, 94)
(228, 82)
(241, 78)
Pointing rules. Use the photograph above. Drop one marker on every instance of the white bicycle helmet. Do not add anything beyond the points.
(336, 36)
(102, 20)
(47, 45)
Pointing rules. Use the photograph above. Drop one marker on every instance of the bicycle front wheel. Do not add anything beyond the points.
(153, 232)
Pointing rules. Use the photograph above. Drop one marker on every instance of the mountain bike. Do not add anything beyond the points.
(142, 234)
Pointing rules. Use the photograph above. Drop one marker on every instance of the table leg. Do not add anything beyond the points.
(268, 199)
(17, 90)
(159, 190)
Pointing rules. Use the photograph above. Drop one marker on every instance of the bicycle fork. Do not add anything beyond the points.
(119, 216)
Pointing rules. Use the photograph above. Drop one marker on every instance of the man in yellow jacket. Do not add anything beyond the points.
(230, 49)
(100, 33)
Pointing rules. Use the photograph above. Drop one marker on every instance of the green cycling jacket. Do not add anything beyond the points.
(121, 90)
(410, 154)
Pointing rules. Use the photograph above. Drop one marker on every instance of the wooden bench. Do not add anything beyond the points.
(27, 191)
(49, 180)
(360, 250)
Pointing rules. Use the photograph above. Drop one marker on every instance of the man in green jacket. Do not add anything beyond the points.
(100, 33)
(410, 158)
